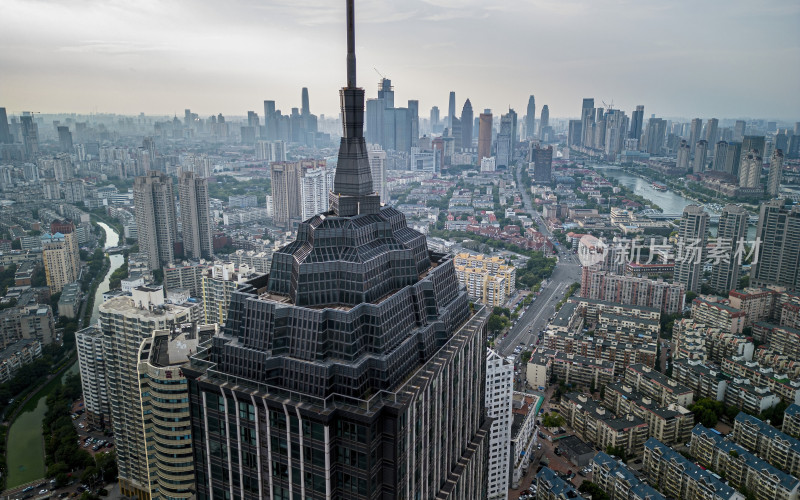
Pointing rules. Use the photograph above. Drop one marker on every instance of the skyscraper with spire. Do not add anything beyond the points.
(466, 125)
(530, 118)
(355, 369)
(544, 123)
(451, 109)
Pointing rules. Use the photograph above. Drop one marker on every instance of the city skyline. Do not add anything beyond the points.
(148, 58)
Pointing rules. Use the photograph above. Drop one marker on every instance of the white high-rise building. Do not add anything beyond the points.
(377, 164)
(91, 362)
(125, 322)
(314, 188)
(499, 388)
(271, 150)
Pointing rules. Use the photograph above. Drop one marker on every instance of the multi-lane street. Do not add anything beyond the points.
(568, 270)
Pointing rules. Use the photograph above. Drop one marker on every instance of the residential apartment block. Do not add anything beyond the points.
(777, 448)
(677, 477)
(713, 311)
(791, 420)
(499, 388)
(496, 266)
(695, 340)
(549, 486)
(670, 424)
(599, 426)
(705, 381)
(603, 285)
(17, 355)
(740, 467)
(94, 378)
(570, 368)
(662, 389)
(619, 482)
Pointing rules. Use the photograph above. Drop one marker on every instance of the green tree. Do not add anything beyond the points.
(594, 490)
(525, 356)
(553, 420)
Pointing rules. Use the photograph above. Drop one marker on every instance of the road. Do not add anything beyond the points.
(535, 317)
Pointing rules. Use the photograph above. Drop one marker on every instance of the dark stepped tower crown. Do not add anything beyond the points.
(355, 369)
(352, 187)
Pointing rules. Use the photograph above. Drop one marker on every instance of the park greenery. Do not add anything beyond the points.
(708, 412)
(227, 186)
(499, 320)
(552, 420)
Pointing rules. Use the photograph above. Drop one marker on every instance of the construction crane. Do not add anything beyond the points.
(379, 73)
(609, 106)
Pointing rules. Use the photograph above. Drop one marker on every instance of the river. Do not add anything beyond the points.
(669, 201)
(112, 240)
(25, 452)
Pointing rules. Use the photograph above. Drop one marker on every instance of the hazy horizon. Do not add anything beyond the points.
(704, 59)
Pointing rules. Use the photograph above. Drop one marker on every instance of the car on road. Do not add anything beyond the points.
(43, 492)
(29, 488)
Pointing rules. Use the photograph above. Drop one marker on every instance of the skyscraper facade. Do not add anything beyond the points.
(435, 126)
(377, 167)
(125, 322)
(542, 164)
(700, 152)
(654, 140)
(195, 216)
(711, 130)
(777, 260)
(287, 187)
(775, 173)
(466, 125)
(61, 257)
(750, 169)
(692, 242)
(504, 140)
(637, 122)
(544, 124)
(92, 365)
(64, 139)
(30, 136)
(732, 228)
(694, 133)
(530, 118)
(499, 388)
(451, 109)
(315, 184)
(154, 209)
(485, 136)
(587, 120)
(5, 134)
(363, 376)
(684, 152)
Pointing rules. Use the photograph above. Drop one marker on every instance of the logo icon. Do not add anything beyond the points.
(591, 250)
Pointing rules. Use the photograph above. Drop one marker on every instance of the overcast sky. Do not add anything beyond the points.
(722, 58)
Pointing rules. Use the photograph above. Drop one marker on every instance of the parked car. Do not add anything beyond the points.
(43, 492)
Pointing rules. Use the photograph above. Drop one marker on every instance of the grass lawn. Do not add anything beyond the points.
(25, 453)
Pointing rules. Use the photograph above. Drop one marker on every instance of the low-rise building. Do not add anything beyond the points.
(619, 482)
(524, 408)
(695, 340)
(670, 424)
(714, 311)
(777, 448)
(740, 467)
(744, 394)
(596, 424)
(549, 486)
(783, 339)
(791, 420)
(704, 380)
(569, 368)
(662, 389)
(70, 301)
(17, 355)
(781, 384)
(677, 477)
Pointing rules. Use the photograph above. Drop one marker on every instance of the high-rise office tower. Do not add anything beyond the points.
(154, 209)
(5, 135)
(694, 133)
(270, 121)
(252, 119)
(125, 321)
(656, 131)
(504, 144)
(750, 169)
(754, 143)
(544, 123)
(733, 154)
(684, 152)
(775, 173)
(738, 130)
(466, 125)
(377, 167)
(587, 120)
(692, 243)
(451, 109)
(777, 260)
(164, 405)
(712, 131)
(92, 365)
(64, 139)
(700, 152)
(575, 133)
(61, 257)
(195, 216)
(413, 118)
(305, 109)
(732, 229)
(435, 126)
(345, 360)
(514, 130)
(271, 151)
(30, 136)
(542, 164)
(499, 389)
(485, 136)
(530, 118)
(637, 122)
(616, 130)
(720, 156)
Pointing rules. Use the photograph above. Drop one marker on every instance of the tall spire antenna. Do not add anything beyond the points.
(351, 45)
